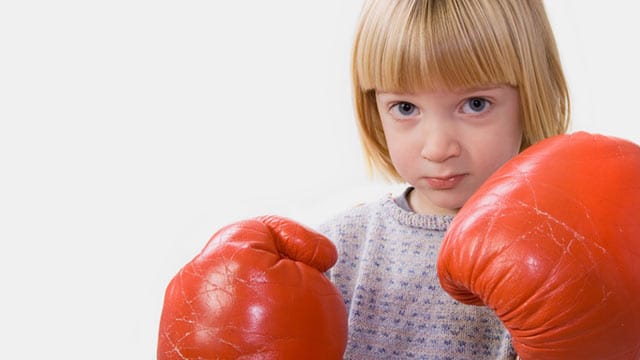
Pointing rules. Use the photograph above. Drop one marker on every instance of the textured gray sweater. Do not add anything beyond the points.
(386, 272)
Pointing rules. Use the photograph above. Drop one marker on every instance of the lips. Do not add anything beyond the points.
(445, 183)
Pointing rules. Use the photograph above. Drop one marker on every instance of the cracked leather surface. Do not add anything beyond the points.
(551, 242)
(256, 291)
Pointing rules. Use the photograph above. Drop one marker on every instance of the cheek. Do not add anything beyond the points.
(499, 152)
(495, 147)
(402, 154)
(509, 138)
(398, 154)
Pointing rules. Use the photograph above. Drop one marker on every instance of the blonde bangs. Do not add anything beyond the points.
(414, 45)
(417, 45)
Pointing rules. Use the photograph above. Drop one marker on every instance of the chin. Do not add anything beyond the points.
(447, 202)
(448, 207)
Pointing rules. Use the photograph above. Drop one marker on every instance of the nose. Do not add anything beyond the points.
(440, 142)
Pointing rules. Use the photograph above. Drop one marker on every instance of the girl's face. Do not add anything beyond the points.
(447, 143)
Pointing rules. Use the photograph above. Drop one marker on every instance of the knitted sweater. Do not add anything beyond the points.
(386, 272)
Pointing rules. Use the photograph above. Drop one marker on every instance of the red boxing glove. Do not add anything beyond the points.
(256, 291)
(551, 243)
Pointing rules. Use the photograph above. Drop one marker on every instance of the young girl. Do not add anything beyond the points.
(446, 92)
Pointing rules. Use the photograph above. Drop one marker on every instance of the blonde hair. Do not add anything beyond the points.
(409, 45)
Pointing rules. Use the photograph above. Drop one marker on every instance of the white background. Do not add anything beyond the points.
(131, 130)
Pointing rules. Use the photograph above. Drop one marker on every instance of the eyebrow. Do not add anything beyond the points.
(480, 88)
(453, 91)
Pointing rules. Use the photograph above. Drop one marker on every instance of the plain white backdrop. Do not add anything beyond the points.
(131, 130)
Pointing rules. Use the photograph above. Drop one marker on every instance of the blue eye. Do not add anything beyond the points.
(404, 108)
(475, 105)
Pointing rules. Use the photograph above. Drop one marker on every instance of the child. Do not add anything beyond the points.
(446, 92)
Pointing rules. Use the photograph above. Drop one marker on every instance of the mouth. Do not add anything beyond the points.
(445, 183)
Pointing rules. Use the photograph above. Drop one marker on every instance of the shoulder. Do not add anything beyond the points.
(356, 218)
